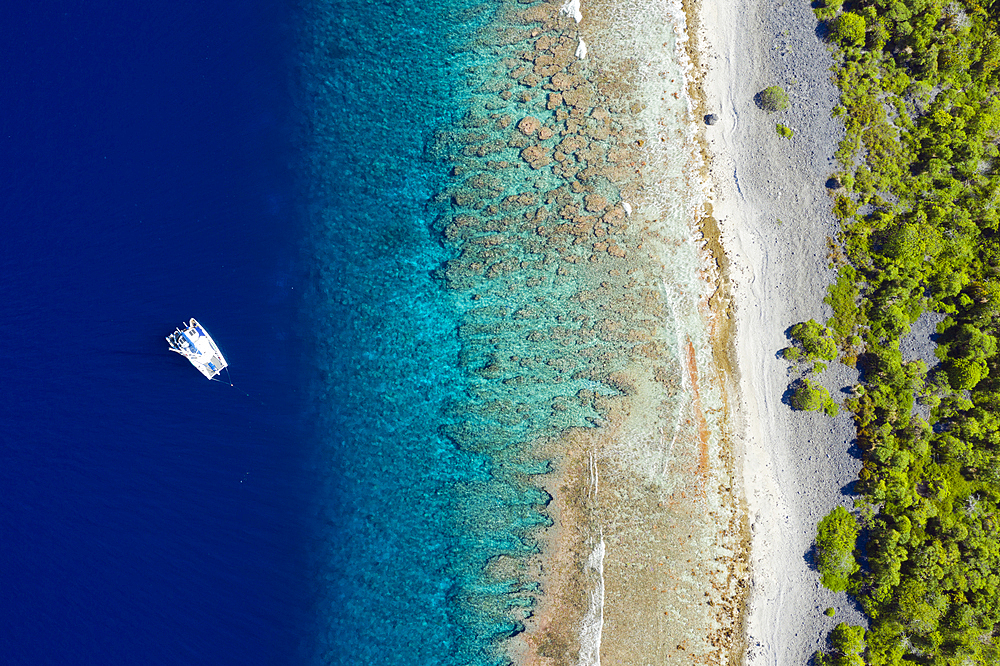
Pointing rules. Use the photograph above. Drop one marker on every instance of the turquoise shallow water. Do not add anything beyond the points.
(458, 304)
(401, 562)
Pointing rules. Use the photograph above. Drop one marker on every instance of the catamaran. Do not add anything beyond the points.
(195, 344)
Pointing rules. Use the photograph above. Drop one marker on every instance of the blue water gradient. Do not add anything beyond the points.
(414, 515)
(269, 169)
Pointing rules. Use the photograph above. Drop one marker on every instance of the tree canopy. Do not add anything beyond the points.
(919, 85)
(848, 29)
(835, 539)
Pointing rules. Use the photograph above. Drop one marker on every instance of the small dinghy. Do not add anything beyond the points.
(196, 345)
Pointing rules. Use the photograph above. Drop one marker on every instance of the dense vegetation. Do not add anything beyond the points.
(848, 645)
(812, 344)
(920, 99)
(836, 537)
(811, 397)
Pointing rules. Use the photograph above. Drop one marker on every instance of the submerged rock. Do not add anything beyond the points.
(529, 125)
(596, 203)
(536, 156)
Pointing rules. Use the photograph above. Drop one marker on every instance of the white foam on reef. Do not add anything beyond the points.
(674, 443)
(647, 37)
(593, 621)
(581, 50)
(593, 474)
(572, 8)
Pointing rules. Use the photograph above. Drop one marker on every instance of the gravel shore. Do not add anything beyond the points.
(774, 212)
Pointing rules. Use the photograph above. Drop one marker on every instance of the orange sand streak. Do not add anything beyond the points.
(699, 417)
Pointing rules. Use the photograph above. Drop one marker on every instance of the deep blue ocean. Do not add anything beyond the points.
(162, 162)
(148, 515)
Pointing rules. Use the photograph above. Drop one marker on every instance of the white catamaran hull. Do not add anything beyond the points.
(196, 345)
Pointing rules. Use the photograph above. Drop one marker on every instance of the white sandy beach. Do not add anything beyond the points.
(774, 213)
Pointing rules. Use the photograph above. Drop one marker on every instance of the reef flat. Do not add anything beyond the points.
(525, 369)
(595, 324)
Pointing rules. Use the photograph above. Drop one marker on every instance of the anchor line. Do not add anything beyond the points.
(216, 379)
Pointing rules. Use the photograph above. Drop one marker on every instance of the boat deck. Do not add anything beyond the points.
(196, 345)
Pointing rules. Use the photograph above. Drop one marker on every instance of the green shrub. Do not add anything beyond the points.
(784, 131)
(844, 207)
(879, 36)
(904, 244)
(842, 296)
(990, 58)
(811, 397)
(835, 538)
(791, 353)
(964, 373)
(848, 29)
(807, 396)
(830, 612)
(848, 644)
(773, 98)
(848, 639)
(826, 9)
(816, 340)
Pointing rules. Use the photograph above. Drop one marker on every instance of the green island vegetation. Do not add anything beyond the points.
(808, 396)
(811, 343)
(848, 645)
(919, 85)
(773, 98)
(784, 131)
(836, 539)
